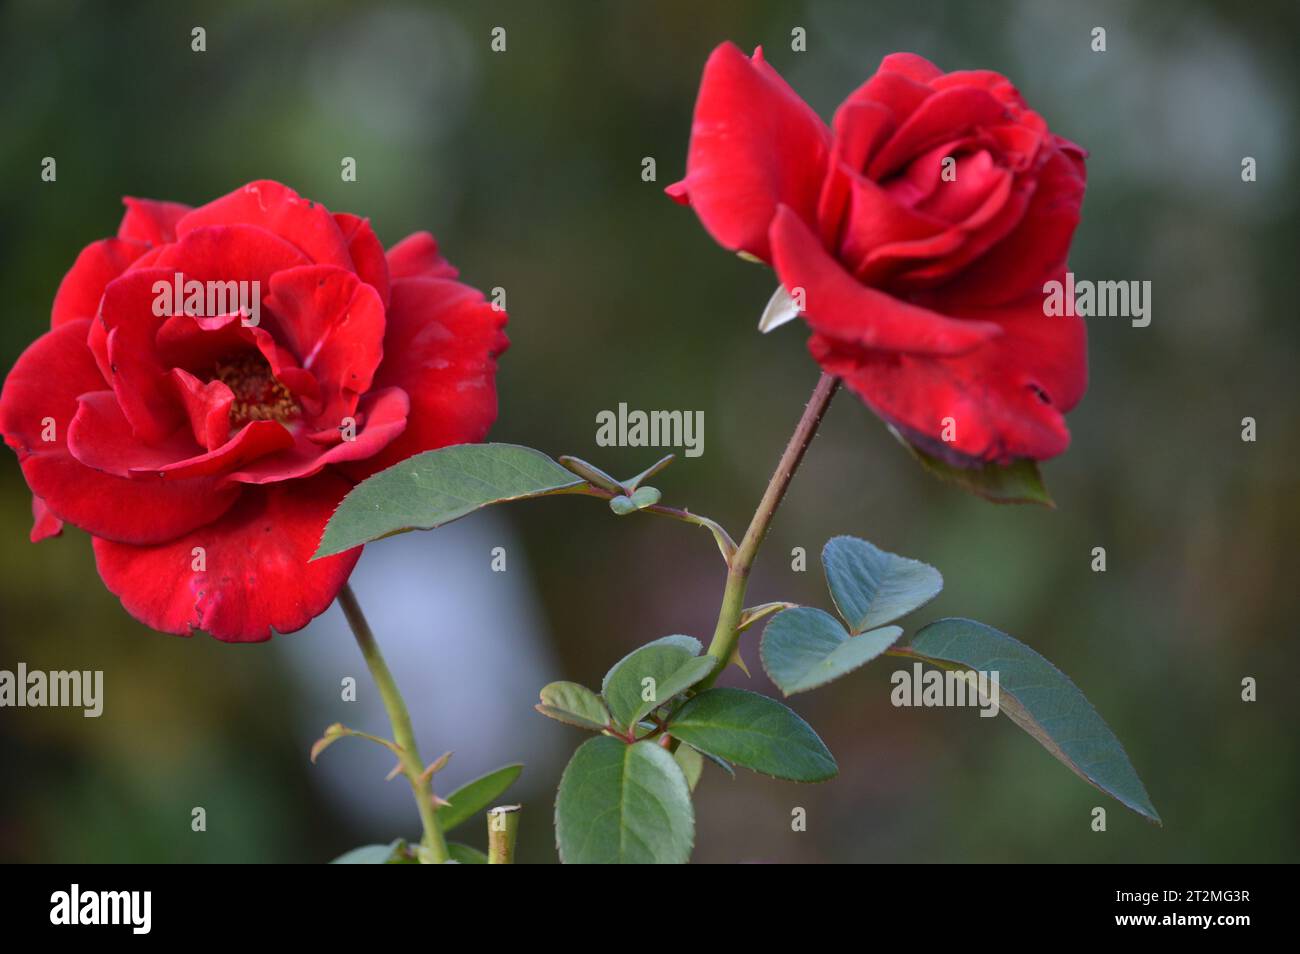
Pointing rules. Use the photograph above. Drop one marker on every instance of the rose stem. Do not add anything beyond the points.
(503, 826)
(433, 842)
(733, 597)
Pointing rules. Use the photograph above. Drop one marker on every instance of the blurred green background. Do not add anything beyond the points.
(527, 166)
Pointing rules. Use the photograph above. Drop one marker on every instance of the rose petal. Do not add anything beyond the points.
(367, 252)
(839, 306)
(44, 523)
(137, 375)
(269, 205)
(230, 252)
(1037, 249)
(207, 405)
(334, 323)
(82, 288)
(150, 221)
(1006, 399)
(45, 383)
(381, 417)
(945, 115)
(101, 437)
(255, 574)
(754, 145)
(441, 347)
(911, 65)
(417, 256)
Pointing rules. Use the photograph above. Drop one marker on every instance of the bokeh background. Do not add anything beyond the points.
(527, 166)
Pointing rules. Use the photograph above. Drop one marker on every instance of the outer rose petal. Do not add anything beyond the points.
(1007, 398)
(441, 348)
(366, 250)
(755, 145)
(257, 576)
(839, 306)
(269, 205)
(97, 265)
(226, 252)
(417, 256)
(44, 523)
(911, 65)
(150, 221)
(46, 382)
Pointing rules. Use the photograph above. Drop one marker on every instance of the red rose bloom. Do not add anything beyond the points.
(921, 226)
(205, 452)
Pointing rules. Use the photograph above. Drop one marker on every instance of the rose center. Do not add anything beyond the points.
(258, 395)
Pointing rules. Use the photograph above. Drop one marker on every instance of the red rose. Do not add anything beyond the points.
(921, 226)
(205, 452)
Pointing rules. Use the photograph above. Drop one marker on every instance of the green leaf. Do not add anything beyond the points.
(805, 648)
(1017, 482)
(633, 483)
(437, 487)
(1043, 701)
(371, 855)
(573, 704)
(872, 587)
(472, 797)
(754, 731)
(590, 473)
(641, 498)
(689, 645)
(692, 764)
(720, 763)
(674, 664)
(644, 497)
(623, 804)
(465, 855)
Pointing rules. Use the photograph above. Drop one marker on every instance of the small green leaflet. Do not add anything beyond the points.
(805, 648)
(623, 804)
(754, 731)
(872, 587)
(1043, 701)
(574, 705)
(473, 797)
(692, 764)
(660, 669)
(437, 487)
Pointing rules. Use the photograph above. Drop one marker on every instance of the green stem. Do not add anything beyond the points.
(503, 826)
(725, 543)
(727, 631)
(433, 843)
